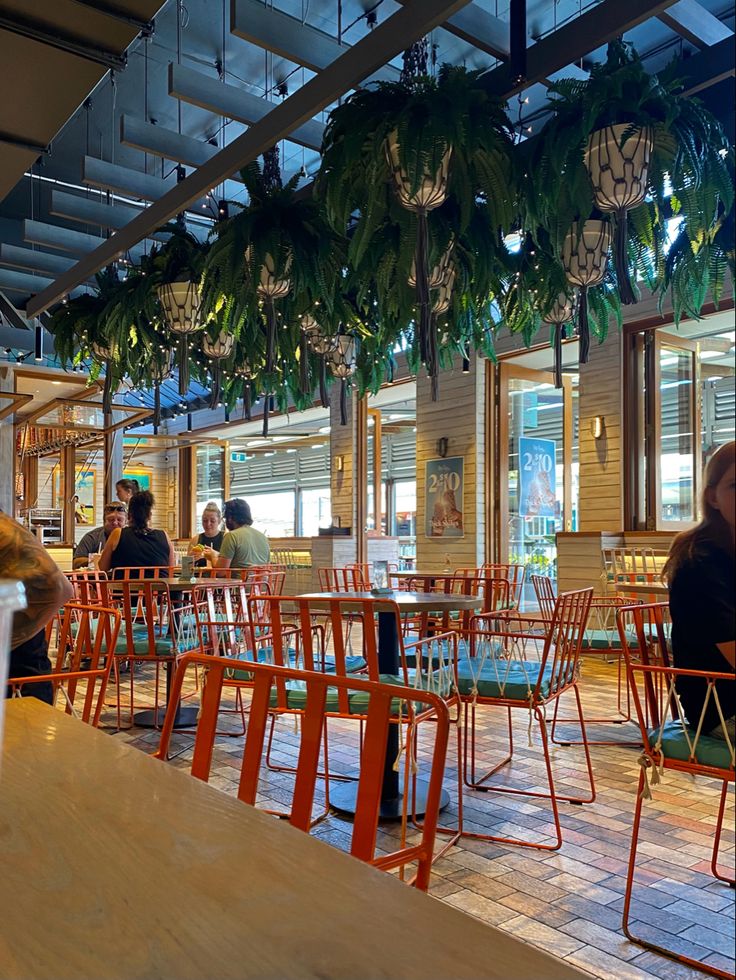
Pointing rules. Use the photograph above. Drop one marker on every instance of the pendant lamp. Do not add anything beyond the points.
(216, 351)
(561, 312)
(180, 302)
(584, 257)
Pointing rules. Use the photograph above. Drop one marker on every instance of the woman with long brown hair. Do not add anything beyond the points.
(701, 576)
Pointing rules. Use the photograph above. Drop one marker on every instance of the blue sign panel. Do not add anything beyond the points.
(537, 477)
(444, 498)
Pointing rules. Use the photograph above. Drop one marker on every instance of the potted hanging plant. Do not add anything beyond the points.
(270, 263)
(399, 155)
(628, 144)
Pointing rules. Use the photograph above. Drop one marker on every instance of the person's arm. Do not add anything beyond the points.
(111, 544)
(22, 557)
(193, 544)
(227, 553)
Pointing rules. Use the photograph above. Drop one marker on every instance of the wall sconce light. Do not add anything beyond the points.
(598, 426)
(442, 447)
(339, 463)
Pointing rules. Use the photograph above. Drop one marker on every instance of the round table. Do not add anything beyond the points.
(643, 589)
(343, 797)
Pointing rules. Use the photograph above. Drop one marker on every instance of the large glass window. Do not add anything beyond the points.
(273, 513)
(405, 518)
(316, 511)
(676, 420)
(210, 478)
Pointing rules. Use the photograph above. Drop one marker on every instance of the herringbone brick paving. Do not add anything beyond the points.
(568, 902)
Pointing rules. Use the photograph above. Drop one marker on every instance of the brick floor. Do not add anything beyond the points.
(568, 902)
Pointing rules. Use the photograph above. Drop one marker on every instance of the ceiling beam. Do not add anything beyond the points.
(33, 261)
(481, 29)
(572, 41)
(92, 211)
(697, 25)
(56, 236)
(10, 313)
(24, 340)
(21, 282)
(130, 183)
(36, 31)
(164, 143)
(287, 37)
(234, 103)
(710, 67)
(391, 36)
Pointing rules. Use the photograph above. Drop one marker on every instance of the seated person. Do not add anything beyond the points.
(203, 545)
(114, 515)
(124, 490)
(138, 544)
(702, 583)
(22, 557)
(242, 546)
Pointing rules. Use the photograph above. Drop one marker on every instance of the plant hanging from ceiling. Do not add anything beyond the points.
(271, 263)
(631, 145)
(415, 160)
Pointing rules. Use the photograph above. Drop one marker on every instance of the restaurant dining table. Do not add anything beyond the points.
(342, 797)
(645, 589)
(118, 866)
(186, 715)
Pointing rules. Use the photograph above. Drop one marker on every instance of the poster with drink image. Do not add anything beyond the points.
(444, 490)
(537, 477)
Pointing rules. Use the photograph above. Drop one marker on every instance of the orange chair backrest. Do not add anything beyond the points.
(145, 599)
(644, 635)
(90, 587)
(87, 637)
(382, 699)
(349, 578)
(544, 591)
(565, 638)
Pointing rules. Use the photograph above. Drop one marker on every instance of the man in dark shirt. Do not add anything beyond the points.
(47, 589)
(114, 515)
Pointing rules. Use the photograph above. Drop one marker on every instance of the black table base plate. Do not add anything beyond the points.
(343, 797)
(186, 718)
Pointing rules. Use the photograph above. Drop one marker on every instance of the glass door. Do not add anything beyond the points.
(537, 484)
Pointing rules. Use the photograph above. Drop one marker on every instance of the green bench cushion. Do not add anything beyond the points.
(708, 752)
(358, 701)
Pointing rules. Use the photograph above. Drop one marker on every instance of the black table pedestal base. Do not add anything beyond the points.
(186, 717)
(343, 798)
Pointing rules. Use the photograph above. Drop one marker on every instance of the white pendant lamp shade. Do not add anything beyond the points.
(561, 311)
(432, 189)
(270, 285)
(619, 172)
(585, 252)
(220, 347)
(103, 351)
(318, 342)
(341, 359)
(180, 302)
(438, 272)
(443, 297)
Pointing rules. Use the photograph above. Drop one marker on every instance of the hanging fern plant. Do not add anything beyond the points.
(414, 160)
(629, 142)
(270, 263)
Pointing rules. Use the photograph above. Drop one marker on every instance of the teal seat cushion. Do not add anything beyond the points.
(353, 664)
(163, 645)
(708, 752)
(601, 640)
(358, 701)
(509, 679)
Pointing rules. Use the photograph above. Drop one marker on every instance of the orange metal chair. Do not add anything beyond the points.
(349, 578)
(670, 740)
(503, 671)
(270, 687)
(86, 640)
(601, 639)
(90, 587)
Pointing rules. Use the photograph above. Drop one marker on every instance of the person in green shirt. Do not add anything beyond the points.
(243, 545)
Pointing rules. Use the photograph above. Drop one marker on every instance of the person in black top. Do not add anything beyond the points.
(138, 544)
(702, 583)
(203, 545)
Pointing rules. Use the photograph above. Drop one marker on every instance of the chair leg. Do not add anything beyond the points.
(473, 782)
(624, 718)
(455, 833)
(717, 841)
(679, 957)
(552, 796)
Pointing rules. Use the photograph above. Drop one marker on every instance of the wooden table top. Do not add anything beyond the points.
(120, 867)
(408, 601)
(643, 588)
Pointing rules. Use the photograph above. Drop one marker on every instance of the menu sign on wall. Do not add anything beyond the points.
(537, 477)
(444, 491)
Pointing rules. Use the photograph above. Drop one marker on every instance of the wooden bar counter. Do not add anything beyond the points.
(117, 865)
